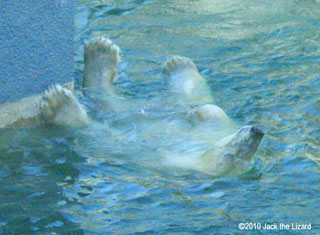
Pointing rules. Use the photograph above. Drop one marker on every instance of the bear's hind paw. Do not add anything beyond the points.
(60, 106)
(101, 46)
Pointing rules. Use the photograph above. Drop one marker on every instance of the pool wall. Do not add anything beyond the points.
(36, 46)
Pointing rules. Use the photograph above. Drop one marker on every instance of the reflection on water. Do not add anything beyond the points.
(261, 60)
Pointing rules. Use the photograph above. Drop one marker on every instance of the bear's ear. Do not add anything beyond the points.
(229, 157)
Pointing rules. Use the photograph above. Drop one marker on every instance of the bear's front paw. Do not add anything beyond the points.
(178, 63)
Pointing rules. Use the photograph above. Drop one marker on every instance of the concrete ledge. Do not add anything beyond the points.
(36, 46)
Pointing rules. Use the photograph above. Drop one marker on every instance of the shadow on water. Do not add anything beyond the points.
(34, 166)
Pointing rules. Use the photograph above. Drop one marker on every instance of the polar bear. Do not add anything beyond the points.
(58, 105)
(233, 153)
(231, 156)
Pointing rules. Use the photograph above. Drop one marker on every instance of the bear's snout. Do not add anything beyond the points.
(257, 131)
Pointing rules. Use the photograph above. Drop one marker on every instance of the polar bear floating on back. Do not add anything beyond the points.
(59, 106)
(184, 81)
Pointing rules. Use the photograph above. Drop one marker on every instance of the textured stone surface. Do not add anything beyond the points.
(36, 46)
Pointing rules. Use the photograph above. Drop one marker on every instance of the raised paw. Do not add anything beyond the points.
(178, 63)
(59, 106)
(101, 47)
(101, 57)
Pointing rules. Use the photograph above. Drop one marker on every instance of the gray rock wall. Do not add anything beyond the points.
(36, 46)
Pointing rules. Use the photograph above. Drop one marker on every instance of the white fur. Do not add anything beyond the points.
(177, 63)
(184, 79)
(101, 57)
(227, 156)
(230, 156)
(211, 112)
(59, 106)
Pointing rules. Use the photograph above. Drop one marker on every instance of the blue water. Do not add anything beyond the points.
(262, 62)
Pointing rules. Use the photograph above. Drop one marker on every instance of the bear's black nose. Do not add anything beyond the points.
(257, 131)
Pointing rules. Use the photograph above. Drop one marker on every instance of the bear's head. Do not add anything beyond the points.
(243, 144)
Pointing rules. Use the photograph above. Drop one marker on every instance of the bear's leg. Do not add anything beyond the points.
(101, 57)
(184, 79)
(59, 106)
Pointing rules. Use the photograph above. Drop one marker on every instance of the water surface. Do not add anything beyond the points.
(261, 60)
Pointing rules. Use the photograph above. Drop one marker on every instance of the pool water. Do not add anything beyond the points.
(262, 62)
